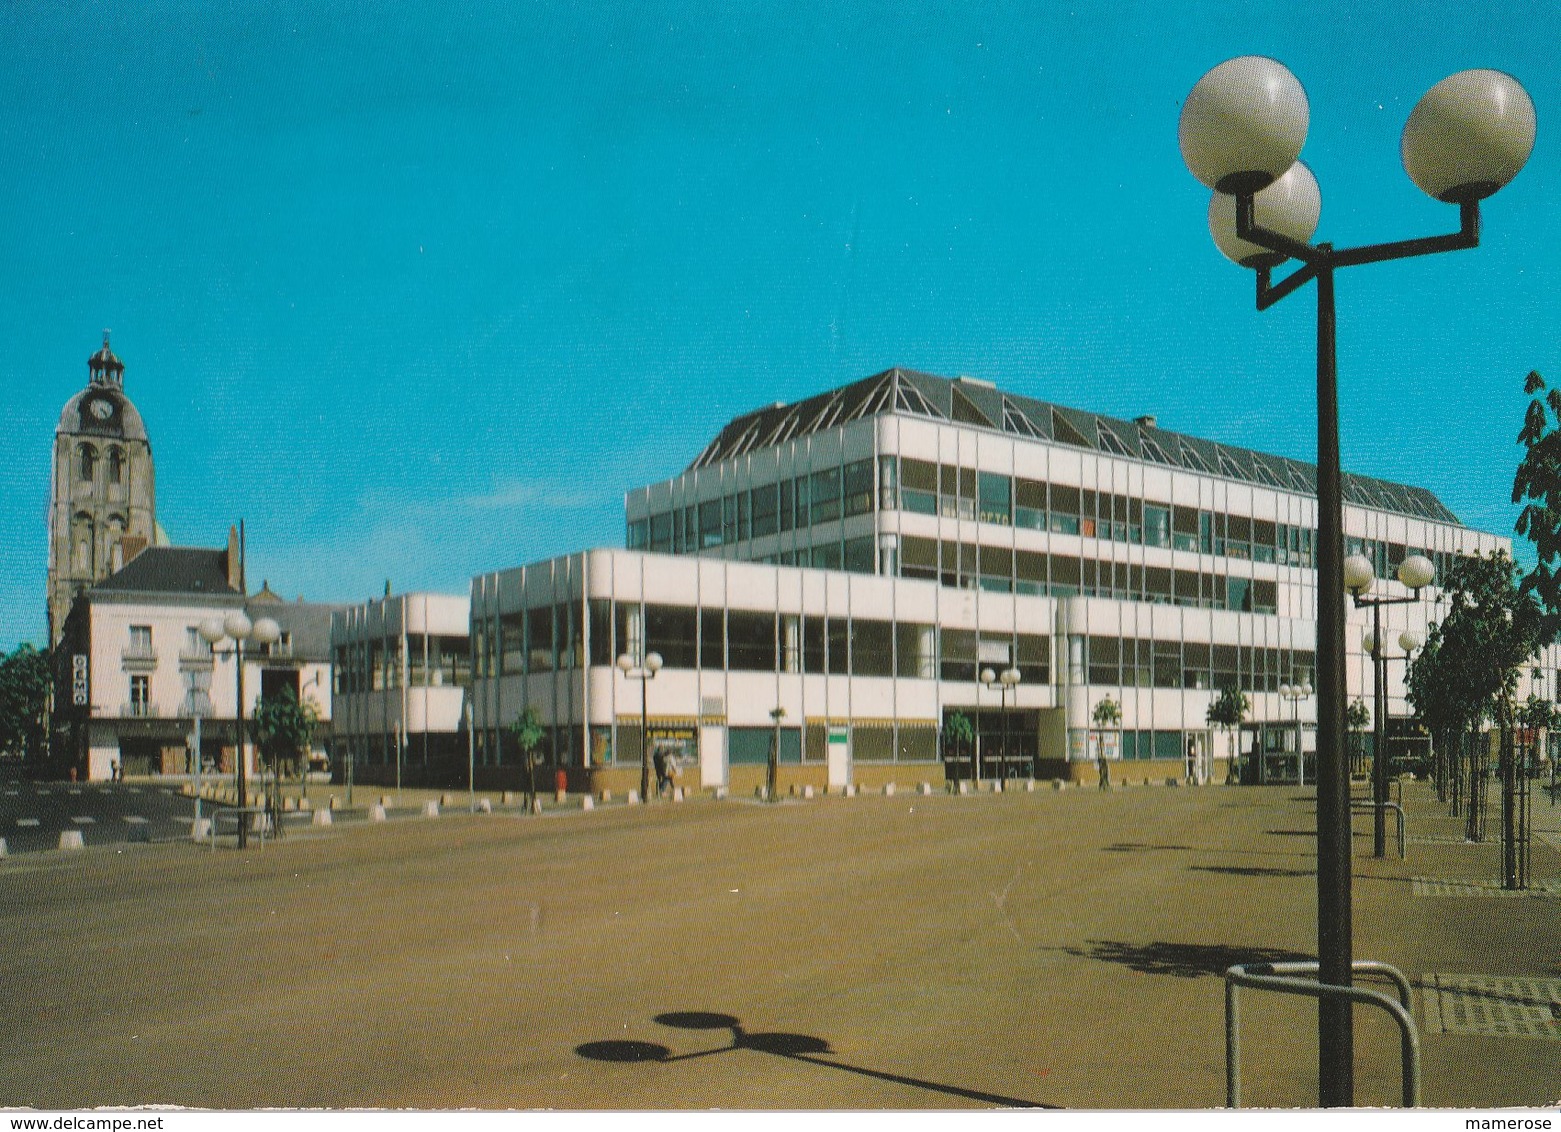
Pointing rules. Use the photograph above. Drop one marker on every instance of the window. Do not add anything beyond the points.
(764, 510)
(1105, 660)
(915, 656)
(1034, 658)
(116, 465)
(872, 648)
(638, 535)
(826, 495)
(710, 523)
(1064, 508)
(539, 639)
(601, 633)
(750, 641)
(671, 631)
(712, 638)
(661, 533)
(958, 660)
(141, 640)
(995, 498)
(857, 555)
(857, 488)
(88, 457)
(918, 557)
(140, 695)
(1157, 525)
(512, 634)
(919, 486)
(813, 646)
(1030, 504)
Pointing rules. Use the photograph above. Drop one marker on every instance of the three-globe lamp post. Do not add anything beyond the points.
(644, 673)
(1415, 572)
(1241, 131)
(237, 626)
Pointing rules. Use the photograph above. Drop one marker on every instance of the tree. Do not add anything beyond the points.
(527, 730)
(1228, 712)
(958, 732)
(25, 686)
(1466, 676)
(1357, 719)
(285, 730)
(1107, 714)
(1537, 485)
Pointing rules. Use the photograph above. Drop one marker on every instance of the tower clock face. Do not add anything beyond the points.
(101, 408)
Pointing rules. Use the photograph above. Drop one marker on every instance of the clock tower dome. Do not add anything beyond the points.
(102, 500)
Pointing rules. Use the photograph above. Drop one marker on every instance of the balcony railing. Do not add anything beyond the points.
(139, 654)
(138, 711)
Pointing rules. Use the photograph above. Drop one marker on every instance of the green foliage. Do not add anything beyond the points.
(1358, 717)
(1536, 712)
(1108, 713)
(1537, 486)
(528, 733)
(25, 683)
(1230, 709)
(285, 729)
(957, 730)
(1467, 673)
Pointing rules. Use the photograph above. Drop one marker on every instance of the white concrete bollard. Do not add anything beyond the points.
(587, 802)
(997, 785)
(386, 801)
(720, 793)
(260, 823)
(335, 801)
(322, 817)
(807, 791)
(1029, 786)
(561, 797)
(964, 786)
(924, 788)
(2, 847)
(71, 839)
(430, 809)
(888, 790)
(677, 793)
(484, 806)
(848, 790)
(200, 830)
(606, 796)
(446, 800)
(376, 812)
(634, 798)
(507, 798)
(305, 806)
(289, 805)
(536, 806)
(1059, 784)
(758, 792)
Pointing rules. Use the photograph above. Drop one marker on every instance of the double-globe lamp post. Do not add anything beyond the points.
(644, 673)
(1415, 572)
(1295, 693)
(1005, 682)
(1241, 132)
(263, 632)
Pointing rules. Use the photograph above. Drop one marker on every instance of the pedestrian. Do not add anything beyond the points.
(659, 760)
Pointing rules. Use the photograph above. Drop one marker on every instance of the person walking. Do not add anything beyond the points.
(659, 761)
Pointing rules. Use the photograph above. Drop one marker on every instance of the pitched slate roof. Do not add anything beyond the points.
(982, 405)
(172, 570)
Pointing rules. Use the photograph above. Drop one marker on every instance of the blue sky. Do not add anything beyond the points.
(420, 290)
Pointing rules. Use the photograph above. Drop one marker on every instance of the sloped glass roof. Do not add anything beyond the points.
(981, 405)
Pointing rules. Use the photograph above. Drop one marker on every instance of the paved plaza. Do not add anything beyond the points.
(904, 952)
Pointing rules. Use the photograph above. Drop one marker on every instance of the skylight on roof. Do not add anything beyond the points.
(1109, 441)
(1191, 459)
(1154, 451)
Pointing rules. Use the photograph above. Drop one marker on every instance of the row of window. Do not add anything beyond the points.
(1136, 662)
(793, 504)
(87, 463)
(953, 491)
(375, 666)
(1005, 570)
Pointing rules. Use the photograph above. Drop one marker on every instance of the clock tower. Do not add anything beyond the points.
(103, 500)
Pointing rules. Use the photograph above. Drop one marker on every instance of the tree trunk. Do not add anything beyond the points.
(1509, 814)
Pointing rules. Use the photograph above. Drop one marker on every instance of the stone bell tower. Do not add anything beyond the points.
(103, 499)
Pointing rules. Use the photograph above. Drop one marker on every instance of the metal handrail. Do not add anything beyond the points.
(1268, 976)
(1366, 806)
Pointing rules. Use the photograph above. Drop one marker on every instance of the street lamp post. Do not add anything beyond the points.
(1295, 693)
(643, 673)
(471, 758)
(1415, 572)
(1241, 131)
(1006, 681)
(238, 627)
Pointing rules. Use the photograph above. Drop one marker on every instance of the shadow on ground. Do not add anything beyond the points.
(797, 1047)
(1183, 960)
(1252, 871)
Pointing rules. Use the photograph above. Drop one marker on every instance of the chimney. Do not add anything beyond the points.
(1145, 422)
(235, 568)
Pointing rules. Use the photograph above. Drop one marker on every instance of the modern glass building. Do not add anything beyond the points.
(859, 559)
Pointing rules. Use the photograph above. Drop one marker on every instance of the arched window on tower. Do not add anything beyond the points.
(116, 465)
(81, 542)
(88, 457)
